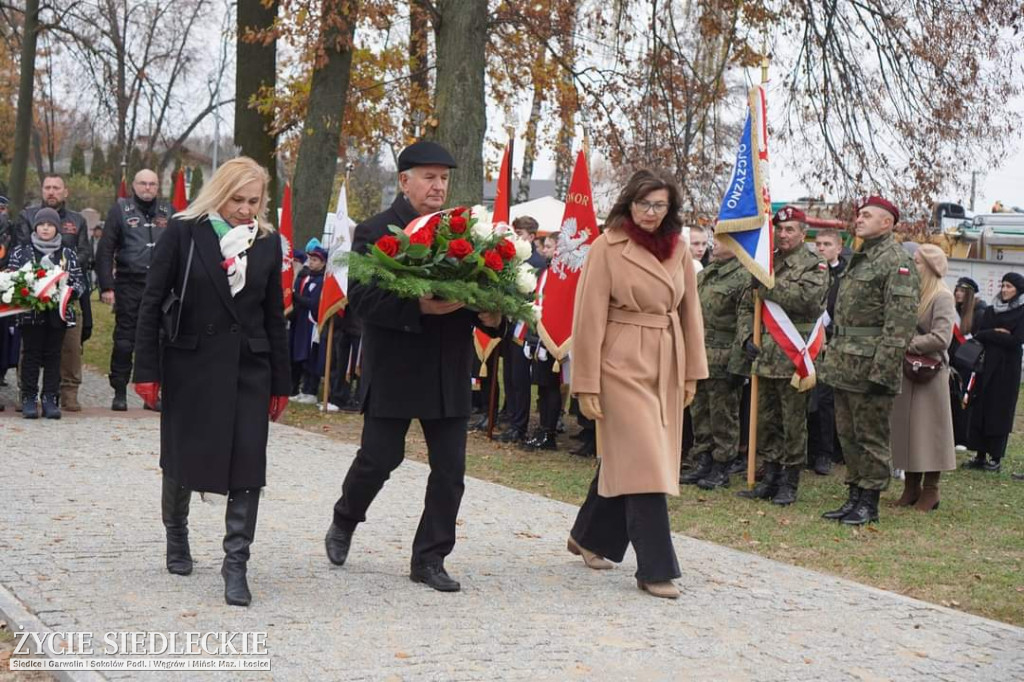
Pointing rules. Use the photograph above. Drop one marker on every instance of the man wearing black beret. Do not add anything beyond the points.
(417, 364)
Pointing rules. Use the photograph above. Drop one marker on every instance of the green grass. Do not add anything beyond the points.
(967, 555)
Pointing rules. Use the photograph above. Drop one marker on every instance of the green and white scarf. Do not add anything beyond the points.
(234, 241)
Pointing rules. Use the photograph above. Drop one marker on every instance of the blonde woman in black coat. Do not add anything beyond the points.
(225, 369)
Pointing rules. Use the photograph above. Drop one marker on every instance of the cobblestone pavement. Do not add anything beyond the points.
(81, 545)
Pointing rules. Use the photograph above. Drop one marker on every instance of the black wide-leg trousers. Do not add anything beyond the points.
(381, 451)
(606, 526)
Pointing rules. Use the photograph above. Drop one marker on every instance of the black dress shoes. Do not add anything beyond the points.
(512, 435)
(434, 575)
(542, 441)
(338, 541)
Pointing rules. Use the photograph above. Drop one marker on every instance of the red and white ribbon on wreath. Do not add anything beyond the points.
(44, 286)
(802, 352)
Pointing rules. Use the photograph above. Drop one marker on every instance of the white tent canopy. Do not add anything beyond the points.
(547, 211)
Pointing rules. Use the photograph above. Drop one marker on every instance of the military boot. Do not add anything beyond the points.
(789, 481)
(847, 506)
(240, 526)
(174, 503)
(69, 400)
(29, 406)
(718, 477)
(866, 510)
(769, 485)
(698, 472)
(738, 465)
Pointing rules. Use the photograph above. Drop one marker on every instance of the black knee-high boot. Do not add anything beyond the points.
(240, 525)
(174, 507)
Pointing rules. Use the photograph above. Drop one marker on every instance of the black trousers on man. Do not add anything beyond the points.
(381, 451)
(606, 525)
(127, 299)
(821, 424)
(517, 385)
(344, 363)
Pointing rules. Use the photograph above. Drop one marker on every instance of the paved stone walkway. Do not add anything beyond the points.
(81, 546)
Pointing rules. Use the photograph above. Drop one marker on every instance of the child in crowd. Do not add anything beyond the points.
(42, 332)
(306, 305)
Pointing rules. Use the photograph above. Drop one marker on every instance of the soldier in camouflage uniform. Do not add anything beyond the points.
(876, 311)
(716, 408)
(801, 284)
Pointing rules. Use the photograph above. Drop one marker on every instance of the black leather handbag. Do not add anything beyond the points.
(170, 321)
(969, 357)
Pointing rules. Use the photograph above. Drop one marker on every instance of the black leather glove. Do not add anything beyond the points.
(750, 350)
(736, 380)
(877, 389)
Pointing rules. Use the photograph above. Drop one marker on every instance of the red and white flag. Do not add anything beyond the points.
(578, 232)
(504, 188)
(801, 352)
(285, 230)
(333, 297)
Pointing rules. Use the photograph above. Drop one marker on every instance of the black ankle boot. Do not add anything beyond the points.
(768, 486)
(702, 469)
(847, 506)
(174, 504)
(789, 481)
(120, 401)
(29, 406)
(866, 510)
(240, 524)
(545, 440)
(50, 408)
(718, 477)
(738, 465)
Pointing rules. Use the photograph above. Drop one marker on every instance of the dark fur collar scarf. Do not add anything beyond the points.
(661, 245)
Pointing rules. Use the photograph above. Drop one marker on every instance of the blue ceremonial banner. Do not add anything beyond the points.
(744, 219)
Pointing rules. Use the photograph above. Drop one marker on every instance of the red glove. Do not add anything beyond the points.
(277, 405)
(149, 392)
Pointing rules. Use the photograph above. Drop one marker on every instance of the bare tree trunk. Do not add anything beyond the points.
(568, 104)
(459, 97)
(256, 68)
(37, 152)
(419, 75)
(317, 161)
(23, 121)
(530, 147)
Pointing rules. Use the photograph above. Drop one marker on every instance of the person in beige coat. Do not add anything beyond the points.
(922, 421)
(638, 351)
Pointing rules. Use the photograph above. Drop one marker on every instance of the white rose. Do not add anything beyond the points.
(526, 280)
(8, 296)
(481, 214)
(537, 310)
(523, 249)
(481, 230)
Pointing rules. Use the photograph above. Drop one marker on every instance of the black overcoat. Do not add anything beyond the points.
(230, 357)
(414, 366)
(995, 398)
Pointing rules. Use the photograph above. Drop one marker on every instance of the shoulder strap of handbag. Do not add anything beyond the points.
(184, 285)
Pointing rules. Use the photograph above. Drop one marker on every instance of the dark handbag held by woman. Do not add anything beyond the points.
(920, 369)
(969, 356)
(170, 321)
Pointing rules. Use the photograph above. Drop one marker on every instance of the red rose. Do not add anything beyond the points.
(44, 298)
(457, 223)
(434, 222)
(459, 248)
(24, 291)
(506, 249)
(424, 235)
(458, 210)
(492, 259)
(40, 273)
(388, 244)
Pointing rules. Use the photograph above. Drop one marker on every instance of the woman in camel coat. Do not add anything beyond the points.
(922, 419)
(638, 351)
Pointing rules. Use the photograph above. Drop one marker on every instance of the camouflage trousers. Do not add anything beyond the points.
(716, 420)
(863, 424)
(781, 422)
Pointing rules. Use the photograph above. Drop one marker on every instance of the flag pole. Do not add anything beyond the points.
(752, 436)
(327, 364)
(492, 398)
